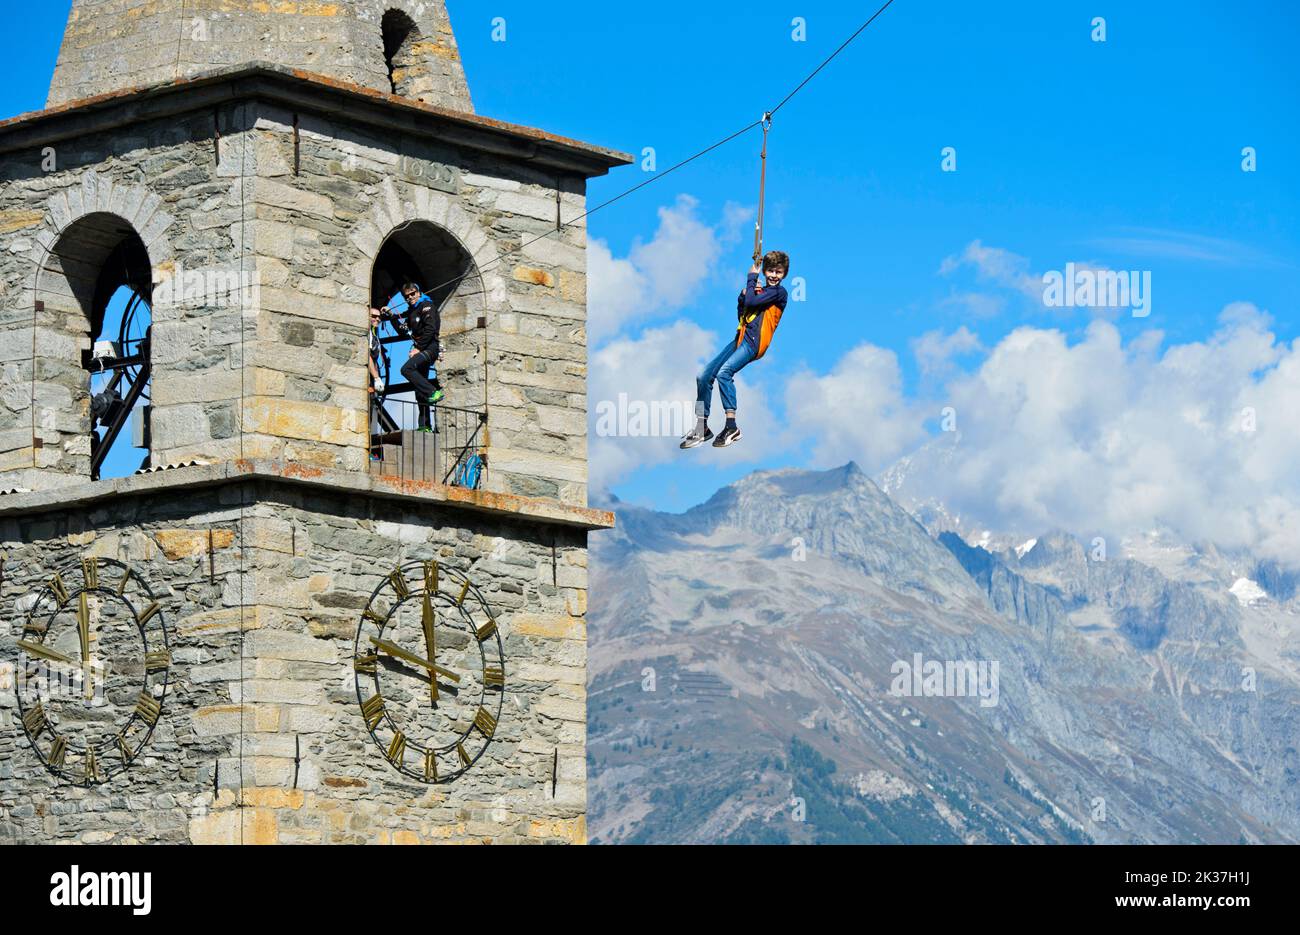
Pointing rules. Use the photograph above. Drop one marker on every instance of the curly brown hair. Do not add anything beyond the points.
(776, 259)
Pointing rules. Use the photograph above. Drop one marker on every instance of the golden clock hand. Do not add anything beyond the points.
(32, 648)
(83, 631)
(397, 652)
(430, 645)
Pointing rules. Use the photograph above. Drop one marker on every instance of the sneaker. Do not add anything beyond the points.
(727, 437)
(425, 430)
(694, 440)
(437, 396)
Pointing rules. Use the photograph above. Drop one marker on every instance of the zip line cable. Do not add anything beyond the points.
(846, 44)
(657, 176)
(604, 204)
(765, 121)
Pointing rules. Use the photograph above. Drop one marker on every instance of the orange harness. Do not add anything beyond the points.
(771, 318)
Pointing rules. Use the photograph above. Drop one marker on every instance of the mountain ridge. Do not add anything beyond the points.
(721, 648)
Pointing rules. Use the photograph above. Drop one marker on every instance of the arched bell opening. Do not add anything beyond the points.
(421, 253)
(401, 40)
(96, 287)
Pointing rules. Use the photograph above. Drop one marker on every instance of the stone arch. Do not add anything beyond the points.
(100, 236)
(393, 210)
(93, 256)
(425, 235)
(393, 215)
(421, 252)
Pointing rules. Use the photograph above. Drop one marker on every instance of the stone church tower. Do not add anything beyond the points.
(300, 620)
(405, 48)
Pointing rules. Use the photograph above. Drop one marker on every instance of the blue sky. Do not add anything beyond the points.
(1124, 153)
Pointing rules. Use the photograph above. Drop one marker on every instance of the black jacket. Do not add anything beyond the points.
(424, 322)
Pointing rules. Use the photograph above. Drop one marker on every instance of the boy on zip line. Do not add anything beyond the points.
(758, 310)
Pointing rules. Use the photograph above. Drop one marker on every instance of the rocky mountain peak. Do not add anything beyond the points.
(768, 672)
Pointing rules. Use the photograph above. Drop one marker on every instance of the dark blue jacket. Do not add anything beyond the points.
(424, 322)
(759, 311)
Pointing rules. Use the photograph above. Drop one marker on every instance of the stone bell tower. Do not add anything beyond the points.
(402, 46)
(301, 620)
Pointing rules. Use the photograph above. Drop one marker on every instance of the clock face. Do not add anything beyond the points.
(94, 663)
(430, 673)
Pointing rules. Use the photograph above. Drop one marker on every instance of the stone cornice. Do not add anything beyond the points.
(307, 92)
(176, 481)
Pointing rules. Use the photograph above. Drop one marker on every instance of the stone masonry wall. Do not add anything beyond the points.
(262, 740)
(110, 45)
(160, 181)
(181, 771)
(262, 277)
(316, 238)
(318, 560)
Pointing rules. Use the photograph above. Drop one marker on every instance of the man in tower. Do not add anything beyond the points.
(376, 352)
(376, 357)
(424, 322)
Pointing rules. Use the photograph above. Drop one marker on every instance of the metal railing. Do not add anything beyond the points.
(443, 444)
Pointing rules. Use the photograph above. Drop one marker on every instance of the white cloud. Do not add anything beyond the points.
(1179, 245)
(935, 350)
(658, 278)
(1002, 268)
(1105, 439)
(736, 218)
(857, 411)
(651, 378)
(616, 291)
(998, 266)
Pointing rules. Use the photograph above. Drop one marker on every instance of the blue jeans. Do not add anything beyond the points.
(722, 368)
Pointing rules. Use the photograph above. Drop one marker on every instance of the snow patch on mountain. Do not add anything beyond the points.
(1248, 592)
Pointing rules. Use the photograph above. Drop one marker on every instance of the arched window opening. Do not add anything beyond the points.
(119, 393)
(410, 437)
(97, 284)
(400, 38)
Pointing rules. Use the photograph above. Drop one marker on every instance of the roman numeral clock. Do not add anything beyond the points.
(430, 671)
(95, 658)
(93, 664)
